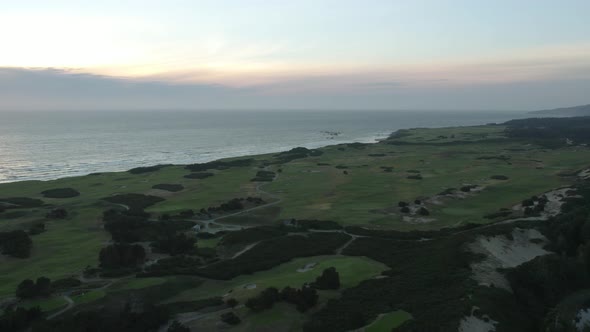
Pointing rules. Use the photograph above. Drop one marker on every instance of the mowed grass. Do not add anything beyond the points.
(366, 196)
(69, 245)
(45, 304)
(137, 283)
(65, 249)
(352, 270)
(389, 321)
(88, 297)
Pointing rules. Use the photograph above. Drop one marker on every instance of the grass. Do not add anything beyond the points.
(389, 321)
(367, 196)
(88, 297)
(138, 283)
(352, 270)
(46, 304)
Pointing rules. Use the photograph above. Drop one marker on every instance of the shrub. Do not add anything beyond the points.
(174, 244)
(251, 235)
(265, 300)
(264, 176)
(121, 256)
(330, 279)
(57, 213)
(232, 303)
(19, 319)
(499, 177)
(200, 176)
(220, 165)
(303, 298)
(230, 318)
(168, 187)
(60, 193)
(134, 201)
(20, 202)
(148, 169)
(405, 209)
(176, 326)
(16, 244)
(423, 212)
(28, 289)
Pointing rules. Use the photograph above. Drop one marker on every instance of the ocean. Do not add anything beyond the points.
(54, 144)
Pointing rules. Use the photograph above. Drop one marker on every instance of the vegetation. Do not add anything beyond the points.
(169, 187)
(29, 289)
(15, 243)
(60, 193)
(409, 255)
(330, 279)
(199, 175)
(117, 256)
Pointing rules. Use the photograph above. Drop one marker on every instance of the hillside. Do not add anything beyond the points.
(448, 229)
(583, 110)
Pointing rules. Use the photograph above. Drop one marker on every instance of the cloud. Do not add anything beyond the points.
(72, 89)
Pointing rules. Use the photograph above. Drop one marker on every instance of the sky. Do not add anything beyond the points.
(304, 54)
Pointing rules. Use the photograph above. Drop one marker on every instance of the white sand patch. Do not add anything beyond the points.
(502, 252)
(417, 220)
(555, 199)
(585, 174)
(582, 319)
(307, 267)
(476, 324)
(250, 286)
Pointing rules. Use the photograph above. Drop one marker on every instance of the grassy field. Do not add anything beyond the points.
(314, 187)
(352, 270)
(388, 321)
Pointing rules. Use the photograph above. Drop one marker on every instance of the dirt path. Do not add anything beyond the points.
(248, 247)
(259, 191)
(70, 305)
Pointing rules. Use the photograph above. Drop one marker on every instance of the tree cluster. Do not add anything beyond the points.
(116, 256)
(330, 279)
(303, 298)
(16, 244)
(28, 288)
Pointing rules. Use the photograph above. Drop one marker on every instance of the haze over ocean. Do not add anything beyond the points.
(49, 145)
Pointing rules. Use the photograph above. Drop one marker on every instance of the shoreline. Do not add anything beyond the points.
(371, 139)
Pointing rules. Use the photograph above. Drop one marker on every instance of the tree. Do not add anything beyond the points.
(176, 326)
(330, 279)
(59, 213)
(26, 289)
(43, 286)
(29, 289)
(423, 211)
(15, 243)
(121, 256)
(232, 303)
(264, 301)
(230, 318)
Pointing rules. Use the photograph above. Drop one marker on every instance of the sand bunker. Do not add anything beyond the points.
(476, 324)
(502, 252)
(582, 319)
(585, 174)
(555, 199)
(307, 267)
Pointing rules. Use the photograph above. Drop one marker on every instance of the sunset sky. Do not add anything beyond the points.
(420, 54)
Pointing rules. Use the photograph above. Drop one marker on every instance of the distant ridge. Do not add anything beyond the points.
(583, 110)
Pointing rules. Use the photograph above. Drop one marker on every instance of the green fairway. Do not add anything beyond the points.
(377, 177)
(88, 297)
(352, 270)
(387, 322)
(46, 304)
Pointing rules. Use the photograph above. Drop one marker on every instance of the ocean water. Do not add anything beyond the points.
(50, 145)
